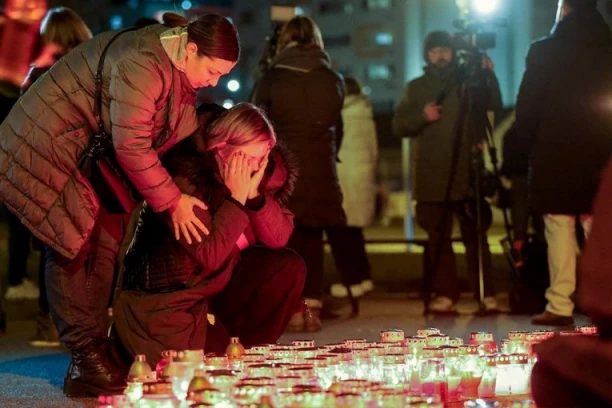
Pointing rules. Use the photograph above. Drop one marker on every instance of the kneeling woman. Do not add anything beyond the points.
(240, 273)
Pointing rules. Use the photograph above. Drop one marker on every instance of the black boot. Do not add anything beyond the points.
(92, 373)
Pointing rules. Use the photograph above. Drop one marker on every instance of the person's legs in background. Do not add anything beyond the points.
(46, 333)
(256, 305)
(20, 287)
(79, 291)
(446, 284)
(308, 243)
(466, 213)
(519, 209)
(351, 260)
(560, 231)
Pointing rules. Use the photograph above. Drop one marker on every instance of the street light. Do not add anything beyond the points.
(233, 85)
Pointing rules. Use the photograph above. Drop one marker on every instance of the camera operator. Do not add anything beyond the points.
(428, 113)
(564, 122)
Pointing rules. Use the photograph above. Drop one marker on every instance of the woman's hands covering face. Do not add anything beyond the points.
(236, 173)
(258, 176)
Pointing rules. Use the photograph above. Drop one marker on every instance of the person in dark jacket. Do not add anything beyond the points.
(564, 122)
(241, 272)
(150, 80)
(432, 130)
(303, 97)
(576, 371)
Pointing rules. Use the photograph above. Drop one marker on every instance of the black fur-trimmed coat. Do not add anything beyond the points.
(167, 283)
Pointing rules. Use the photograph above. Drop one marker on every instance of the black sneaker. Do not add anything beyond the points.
(46, 333)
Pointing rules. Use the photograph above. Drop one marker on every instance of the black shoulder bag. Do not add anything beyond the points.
(99, 163)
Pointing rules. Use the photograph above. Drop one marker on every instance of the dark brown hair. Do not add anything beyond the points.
(64, 27)
(352, 86)
(302, 31)
(215, 35)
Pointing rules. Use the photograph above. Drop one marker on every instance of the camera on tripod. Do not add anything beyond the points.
(473, 40)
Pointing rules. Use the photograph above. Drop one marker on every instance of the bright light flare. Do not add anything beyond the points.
(485, 6)
(233, 85)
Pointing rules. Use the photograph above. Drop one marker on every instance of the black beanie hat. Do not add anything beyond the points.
(437, 39)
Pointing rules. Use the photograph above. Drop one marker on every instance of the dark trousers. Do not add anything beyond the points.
(429, 217)
(350, 257)
(43, 300)
(348, 248)
(19, 249)
(263, 293)
(520, 213)
(80, 289)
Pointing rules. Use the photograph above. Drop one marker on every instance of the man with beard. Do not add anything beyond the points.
(427, 114)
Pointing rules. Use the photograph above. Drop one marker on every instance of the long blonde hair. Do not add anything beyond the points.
(243, 124)
(63, 27)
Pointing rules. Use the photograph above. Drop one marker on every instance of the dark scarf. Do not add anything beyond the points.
(442, 73)
(302, 58)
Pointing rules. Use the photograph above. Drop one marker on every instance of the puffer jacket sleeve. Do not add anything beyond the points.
(271, 221)
(135, 87)
(225, 227)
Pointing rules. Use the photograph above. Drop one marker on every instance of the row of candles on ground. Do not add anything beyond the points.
(426, 370)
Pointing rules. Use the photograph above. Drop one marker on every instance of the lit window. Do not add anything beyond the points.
(337, 41)
(116, 22)
(380, 72)
(377, 4)
(384, 38)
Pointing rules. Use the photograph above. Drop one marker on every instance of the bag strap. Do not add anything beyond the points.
(99, 80)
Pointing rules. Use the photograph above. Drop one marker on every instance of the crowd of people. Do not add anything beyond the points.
(231, 208)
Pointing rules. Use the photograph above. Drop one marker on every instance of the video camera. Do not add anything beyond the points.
(473, 40)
